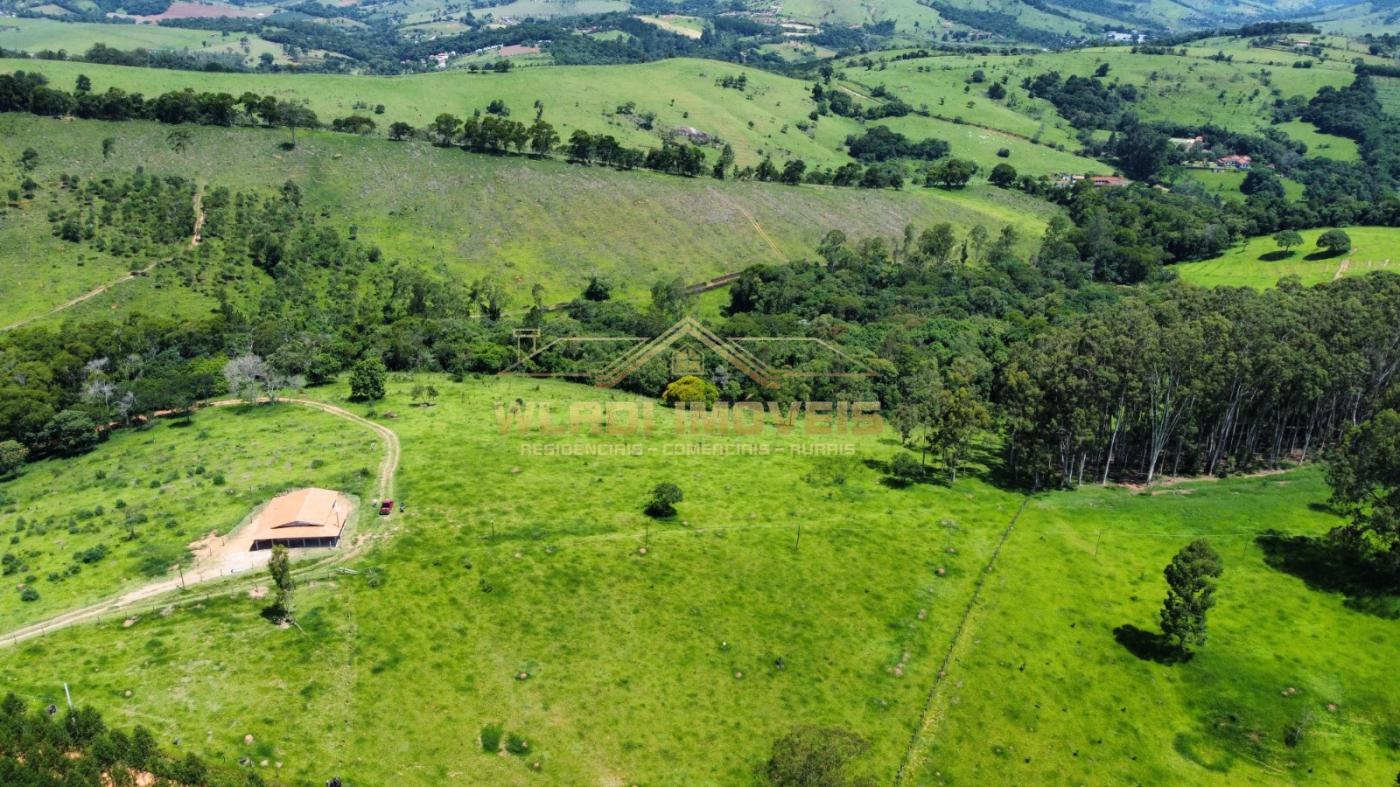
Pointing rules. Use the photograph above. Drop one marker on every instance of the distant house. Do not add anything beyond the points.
(304, 518)
(1100, 181)
(1189, 144)
(1235, 162)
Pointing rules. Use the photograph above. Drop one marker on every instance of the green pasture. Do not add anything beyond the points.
(1226, 183)
(1388, 91)
(1260, 263)
(35, 35)
(515, 591)
(1055, 681)
(143, 495)
(527, 222)
(760, 121)
(1191, 89)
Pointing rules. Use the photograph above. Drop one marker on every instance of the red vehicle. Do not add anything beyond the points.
(386, 508)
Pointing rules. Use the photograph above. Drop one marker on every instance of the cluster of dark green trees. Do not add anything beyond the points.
(30, 92)
(41, 747)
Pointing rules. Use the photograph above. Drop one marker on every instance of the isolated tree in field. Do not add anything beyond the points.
(12, 455)
(1190, 594)
(1287, 239)
(399, 131)
(815, 757)
(1002, 175)
(109, 146)
(367, 380)
(663, 500)
(29, 159)
(1334, 242)
(279, 565)
(1364, 471)
(83, 84)
(997, 91)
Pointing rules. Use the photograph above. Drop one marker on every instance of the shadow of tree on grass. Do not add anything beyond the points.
(1149, 645)
(1327, 567)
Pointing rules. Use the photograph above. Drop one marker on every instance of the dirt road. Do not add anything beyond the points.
(223, 557)
(93, 293)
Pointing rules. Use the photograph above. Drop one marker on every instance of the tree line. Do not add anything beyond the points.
(39, 747)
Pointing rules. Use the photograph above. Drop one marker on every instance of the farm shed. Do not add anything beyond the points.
(304, 518)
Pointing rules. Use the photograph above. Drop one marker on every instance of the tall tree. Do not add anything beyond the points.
(1191, 579)
(279, 565)
(1364, 472)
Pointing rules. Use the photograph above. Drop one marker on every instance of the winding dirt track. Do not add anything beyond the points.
(96, 291)
(235, 558)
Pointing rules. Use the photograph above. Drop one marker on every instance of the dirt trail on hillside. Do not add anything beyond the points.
(195, 238)
(227, 556)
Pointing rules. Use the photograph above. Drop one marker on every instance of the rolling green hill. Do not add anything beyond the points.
(764, 119)
(530, 592)
(37, 35)
(1191, 89)
(528, 222)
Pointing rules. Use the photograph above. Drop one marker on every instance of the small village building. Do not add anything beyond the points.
(304, 518)
(1235, 162)
(1107, 180)
(1189, 144)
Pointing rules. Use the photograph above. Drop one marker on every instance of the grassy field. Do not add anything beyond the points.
(1259, 263)
(1191, 89)
(34, 35)
(641, 667)
(1042, 690)
(760, 121)
(1388, 90)
(526, 221)
(516, 592)
(143, 496)
(1226, 184)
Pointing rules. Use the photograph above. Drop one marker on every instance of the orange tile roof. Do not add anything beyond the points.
(305, 513)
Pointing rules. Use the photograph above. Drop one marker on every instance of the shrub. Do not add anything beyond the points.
(690, 389)
(491, 738)
(517, 745)
(12, 455)
(367, 380)
(663, 500)
(905, 467)
(29, 594)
